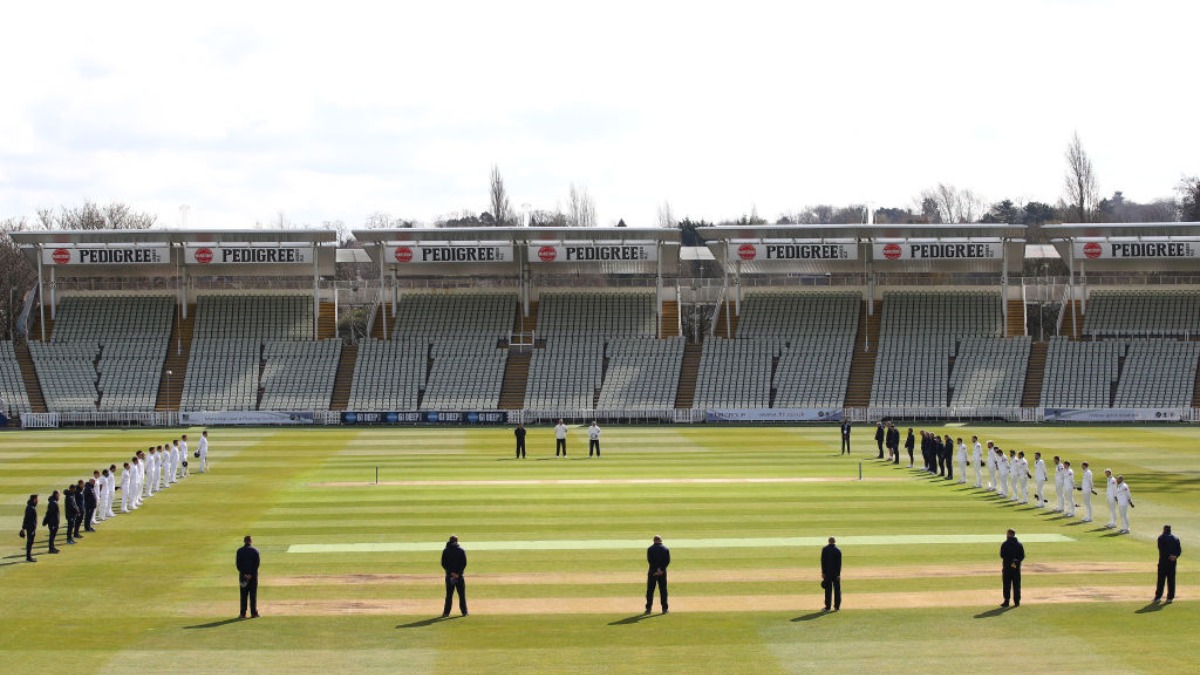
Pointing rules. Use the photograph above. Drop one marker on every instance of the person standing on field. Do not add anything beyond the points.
(248, 562)
(831, 574)
(560, 439)
(519, 433)
(202, 452)
(1023, 476)
(51, 521)
(845, 437)
(879, 436)
(1124, 502)
(1012, 554)
(962, 461)
(1089, 489)
(977, 461)
(909, 443)
(126, 488)
(454, 562)
(183, 456)
(1039, 479)
(658, 557)
(594, 439)
(991, 466)
(1058, 483)
(1068, 486)
(1110, 496)
(1169, 550)
(29, 527)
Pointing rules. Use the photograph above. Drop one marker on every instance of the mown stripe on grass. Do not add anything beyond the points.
(634, 544)
(608, 481)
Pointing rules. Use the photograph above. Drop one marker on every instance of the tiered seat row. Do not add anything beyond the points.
(299, 375)
(989, 371)
(642, 373)
(1158, 373)
(455, 315)
(222, 374)
(12, 384)
(466, 373)
(266, 317)
(597, 314)
(388, 375)
(776, 314)
(736, 373)
(1080, 374)
(566, 373)
(1138, 313)
(814, 371)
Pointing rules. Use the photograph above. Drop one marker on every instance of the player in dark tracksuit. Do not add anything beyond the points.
(909, 443)
(879, 436)
(846, 437)
(519, 432)
(948, 457)
(51, 520)
(29, 527)
(893, 439)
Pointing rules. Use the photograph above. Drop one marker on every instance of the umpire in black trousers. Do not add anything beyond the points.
(658, 557)
(831, 574)
(51, 520)
(454, 562)
(247, 566)
(29, 527)
(1012, 553)
(519, 432)
(879, 436)
(1169, 550)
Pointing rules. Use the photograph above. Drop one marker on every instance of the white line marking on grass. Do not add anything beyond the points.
(608, 481)
(638, 544)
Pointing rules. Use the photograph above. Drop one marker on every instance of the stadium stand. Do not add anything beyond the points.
(298, 375)
(1158, 373)
(1080, 374)
(106, 353)
(736, 373)
(466, 374)
(600, 314)
(642, 373)
(565, 373)
(12, 384)
(921, 331)
(388, 375)
(455, 315)
(1138, 313)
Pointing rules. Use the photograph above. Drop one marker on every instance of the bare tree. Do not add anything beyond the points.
(1081, 188)
(17, 275)
(92, 216)
(501, 210)
(948, 204)
(1189, 199)
(381, 220)
(581, 209)
(665, 217)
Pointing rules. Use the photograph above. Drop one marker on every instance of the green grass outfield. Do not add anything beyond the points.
(351, 582)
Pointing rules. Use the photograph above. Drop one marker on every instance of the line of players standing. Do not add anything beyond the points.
(89, 502)
(1008, 475)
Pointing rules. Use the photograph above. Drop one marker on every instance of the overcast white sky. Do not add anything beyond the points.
(242, 110)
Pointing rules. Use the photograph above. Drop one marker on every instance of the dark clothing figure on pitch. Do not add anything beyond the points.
(454, 562)
(1012, 553)
(909, 443)
(78, 509)
(831, 574)
(658, 557)
(893, 440)
(845, 438)
(879, 436)
(52, 520)
(29, 526)
(1169, 550)
(247, 566)
(71, 506)
(90, 502)
(519, 432)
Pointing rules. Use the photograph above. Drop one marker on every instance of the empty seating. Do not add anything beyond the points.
(736, 373)
(455, 314)
(1158, 373)
(813, 371)
(1080, 374)
(266, 317)
(1142, 313)
(12, 384)
(466, 373)
(389, 375)
(566, 373)
(642, 373)
(602, 314)
(989, 371)
(298, 375)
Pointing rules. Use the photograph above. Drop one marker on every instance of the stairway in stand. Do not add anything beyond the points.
(1068, 322)
(326, 322)
(33, 386)
(862, 367)
(516, 375)
(670, 319)
(1016, 319)
(727, 328)
(689, 371)
(1031, 396)
(344, 378)
(170, 388)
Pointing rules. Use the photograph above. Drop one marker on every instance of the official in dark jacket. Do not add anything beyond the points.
(519, 432)
(1011, 554)
(893, 443)
(659, 558)
(90, 502)
(831, 574)
(29, 527)
(879, 436)
(454, 562)
(846, 437)
(79, 508)
(71, 505)
(1169, 550)
(909, 444)
(247, 563)
(51, 519)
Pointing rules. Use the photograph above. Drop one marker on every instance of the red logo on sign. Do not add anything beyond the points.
(747, 252)
(547, 254)
(892, 251)
(61, 256)
(204, 255)
(1092, 249)
(403, 254)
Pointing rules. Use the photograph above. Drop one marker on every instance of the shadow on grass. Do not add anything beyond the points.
(1076, 523)
(15, 562)
(810, 617)
(1115, 533)
(636, 618)
(1099, 529)
(1152, 607)
(426, 622)
(214, 624)
(992, 612)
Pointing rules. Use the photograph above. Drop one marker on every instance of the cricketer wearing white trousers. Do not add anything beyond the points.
(202, 448)
(101, 488)
(962, 462)
(183, 457)
(1012, 475)
(1058, 485)
(1110, 496)
(1088, 486)
(112, 490)
(1069, 488)
(1023, 479)
(126, 486)
(1001, 473)
(977, 462)
(1039, 480)
(151, 481)
(1124, 501)
(991, 467)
